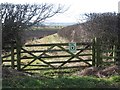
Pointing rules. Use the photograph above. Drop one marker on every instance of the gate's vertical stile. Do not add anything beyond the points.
(18, 56)
(12, 55)
(93, 52)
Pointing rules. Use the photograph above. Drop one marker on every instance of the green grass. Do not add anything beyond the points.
(54, 38)
(62, 82)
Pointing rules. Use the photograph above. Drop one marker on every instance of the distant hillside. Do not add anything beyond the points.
(59, 24)
(55, 24)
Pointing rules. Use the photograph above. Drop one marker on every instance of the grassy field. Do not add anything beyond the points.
(54, 38)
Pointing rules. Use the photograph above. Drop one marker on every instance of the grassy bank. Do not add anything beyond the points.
(61, 82)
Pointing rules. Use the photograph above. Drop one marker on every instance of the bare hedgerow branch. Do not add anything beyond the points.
(16, 17)
(101, 25)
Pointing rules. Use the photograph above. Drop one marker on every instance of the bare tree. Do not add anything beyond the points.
(101, 25)
(18, 17)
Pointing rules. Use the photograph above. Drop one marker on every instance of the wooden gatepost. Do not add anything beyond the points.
(18, 56)
(12, 55)
(99, 53)
(96, 53)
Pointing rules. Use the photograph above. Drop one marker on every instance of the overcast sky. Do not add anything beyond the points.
(77, 7)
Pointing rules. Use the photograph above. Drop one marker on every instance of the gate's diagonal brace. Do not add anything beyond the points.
(84, 61)
(46, 51)
(37, 57)
(76, 55)
(65, 50)
(43, 54)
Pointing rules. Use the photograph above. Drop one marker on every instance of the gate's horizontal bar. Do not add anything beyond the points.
(9, 65)
(108, 57)
(56, 56)
(68, 61)
(54, 50)
(55, 44)
(7, 60)
(37, 65)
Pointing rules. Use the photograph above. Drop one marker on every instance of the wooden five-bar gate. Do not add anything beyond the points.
(57, 56)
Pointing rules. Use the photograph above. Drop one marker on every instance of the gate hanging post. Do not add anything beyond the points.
(98, 53)
(12, 55)
(18, 56)
(93, 52)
